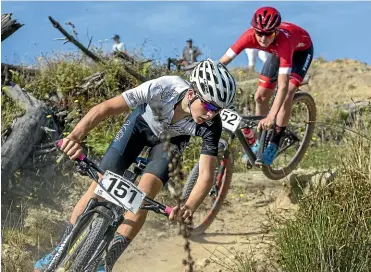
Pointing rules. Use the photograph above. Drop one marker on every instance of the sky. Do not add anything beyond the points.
(338, 29)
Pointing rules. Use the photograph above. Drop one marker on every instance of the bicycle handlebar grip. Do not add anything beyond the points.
(82, 156)
(168, 210)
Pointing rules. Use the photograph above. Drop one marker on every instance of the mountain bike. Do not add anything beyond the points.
(84, 248)
(179, 66)
(292, 148)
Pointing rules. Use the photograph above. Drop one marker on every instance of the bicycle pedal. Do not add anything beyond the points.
(248, 165)
(259, 162)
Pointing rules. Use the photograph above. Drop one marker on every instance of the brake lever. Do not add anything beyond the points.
(82, 168)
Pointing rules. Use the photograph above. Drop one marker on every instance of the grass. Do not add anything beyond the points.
(324, 155)
(331, 231)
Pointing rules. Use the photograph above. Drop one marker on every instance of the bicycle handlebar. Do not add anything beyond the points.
(82, 156)
(156, 206)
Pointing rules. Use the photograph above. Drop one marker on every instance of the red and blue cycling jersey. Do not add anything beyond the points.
(290, 38)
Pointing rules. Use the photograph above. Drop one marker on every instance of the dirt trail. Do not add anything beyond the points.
(238, 227)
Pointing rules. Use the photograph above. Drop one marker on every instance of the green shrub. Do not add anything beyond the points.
(331, 230)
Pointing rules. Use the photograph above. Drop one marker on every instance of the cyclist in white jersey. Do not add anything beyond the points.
(165, 107)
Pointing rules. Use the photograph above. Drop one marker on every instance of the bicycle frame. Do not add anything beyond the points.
(114, 222)
(251, 122)
(246, 122)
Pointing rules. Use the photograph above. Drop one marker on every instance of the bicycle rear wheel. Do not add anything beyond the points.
(297, 137)
(211, 205)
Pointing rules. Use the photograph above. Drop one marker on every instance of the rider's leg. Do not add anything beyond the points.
(262, 97)
(267, 84)
(151, 185)
(283, 115)
(301, 62)
(155, 175)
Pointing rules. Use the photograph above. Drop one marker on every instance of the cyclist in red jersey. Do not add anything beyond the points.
(291, 51)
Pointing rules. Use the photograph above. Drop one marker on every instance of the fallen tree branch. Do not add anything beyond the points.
(74, 41)
(8, 26)
(23, 134)
(90, 54)
(25, 99)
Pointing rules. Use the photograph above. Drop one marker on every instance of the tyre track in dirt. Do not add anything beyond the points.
(240, 226)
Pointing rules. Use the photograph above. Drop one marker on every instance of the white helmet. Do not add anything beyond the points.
(214, 82)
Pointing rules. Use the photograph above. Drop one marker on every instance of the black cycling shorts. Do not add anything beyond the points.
(301, 61)
(129, 142)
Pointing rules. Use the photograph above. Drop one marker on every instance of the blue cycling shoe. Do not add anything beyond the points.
(101, 268)
(44, 262)
(255, 148)
(270, 153)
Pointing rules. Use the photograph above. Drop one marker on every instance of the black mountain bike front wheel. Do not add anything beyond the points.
(297, 137)
(94, 236)
(84, 244)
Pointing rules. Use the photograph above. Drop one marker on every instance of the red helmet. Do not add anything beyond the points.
(266, 19)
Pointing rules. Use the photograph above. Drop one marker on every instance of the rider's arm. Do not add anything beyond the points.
(225, 59)
(207, 163)
(113, 106)
(244, 41)
(204, 182)
(283, 87)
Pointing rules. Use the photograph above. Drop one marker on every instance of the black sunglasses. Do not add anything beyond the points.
(266, 34)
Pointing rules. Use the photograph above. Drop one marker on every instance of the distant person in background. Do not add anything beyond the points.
(252, 54)
(190, 53)
(117, 45)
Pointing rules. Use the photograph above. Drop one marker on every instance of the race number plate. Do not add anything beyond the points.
(130, 197)
(230, 119)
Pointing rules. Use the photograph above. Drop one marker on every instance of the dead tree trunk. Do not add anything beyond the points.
(25, 133)
(8, 26)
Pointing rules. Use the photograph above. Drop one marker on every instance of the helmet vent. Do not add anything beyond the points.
(203, 87)
(208, 76)
(224, 84)
(215, 79)
(211, 90)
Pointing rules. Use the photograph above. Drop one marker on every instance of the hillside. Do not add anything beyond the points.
(41, 199)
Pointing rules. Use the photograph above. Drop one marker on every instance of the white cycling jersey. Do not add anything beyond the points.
(160, 96)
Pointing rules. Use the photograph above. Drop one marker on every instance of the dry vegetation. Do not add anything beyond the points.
(339, 213)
